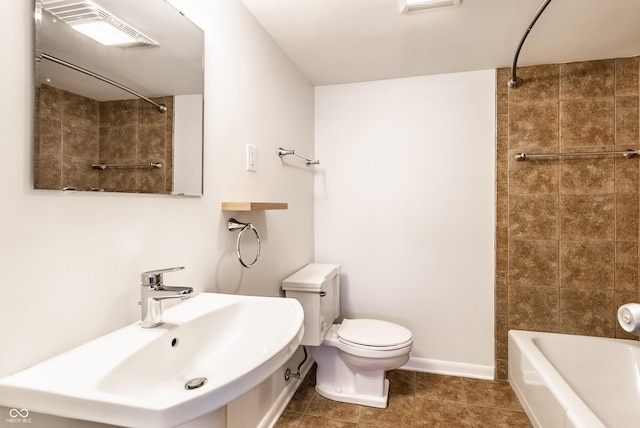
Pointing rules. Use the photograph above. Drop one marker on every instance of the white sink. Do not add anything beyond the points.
(136, 377)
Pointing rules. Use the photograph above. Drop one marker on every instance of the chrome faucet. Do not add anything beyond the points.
(153, 292)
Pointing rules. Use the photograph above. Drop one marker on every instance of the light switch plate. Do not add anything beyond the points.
(252, 155)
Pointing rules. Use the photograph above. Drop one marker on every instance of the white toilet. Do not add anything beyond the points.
(352, 357)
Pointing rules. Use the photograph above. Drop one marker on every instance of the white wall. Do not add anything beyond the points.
(187, 158)
(70, 262)
(405, 202)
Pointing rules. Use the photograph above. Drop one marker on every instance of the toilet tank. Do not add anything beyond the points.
(317, 288)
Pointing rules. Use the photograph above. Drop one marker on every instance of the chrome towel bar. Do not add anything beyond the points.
(626, 153)
(103, 166)
(285, 152)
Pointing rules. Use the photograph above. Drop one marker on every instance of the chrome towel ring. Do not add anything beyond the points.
(234, 224)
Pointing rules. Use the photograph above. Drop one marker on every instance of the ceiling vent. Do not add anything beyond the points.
(95, 22)
(418, 5)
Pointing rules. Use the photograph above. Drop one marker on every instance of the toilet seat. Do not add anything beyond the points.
(370, 334)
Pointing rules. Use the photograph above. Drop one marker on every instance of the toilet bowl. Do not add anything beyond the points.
(352, 361)
(353, 356)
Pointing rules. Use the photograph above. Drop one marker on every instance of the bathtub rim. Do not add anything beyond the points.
(577, 412)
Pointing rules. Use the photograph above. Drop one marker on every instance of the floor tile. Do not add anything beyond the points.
(488, 417)
(400, 413)
(302, 398)
(310, 421)
(440, 387)
(401, 382)
(490, 393)
(289, 419)
(415, 400)
(336, 410)
(446, 414)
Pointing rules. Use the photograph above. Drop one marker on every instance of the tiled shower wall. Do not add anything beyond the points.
(134, 131)
(74, 132)
(66, 135)
(567, 228)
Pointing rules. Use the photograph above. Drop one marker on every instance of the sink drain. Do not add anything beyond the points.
(195, 383)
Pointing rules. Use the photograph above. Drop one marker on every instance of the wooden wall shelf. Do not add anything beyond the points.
(254, 206)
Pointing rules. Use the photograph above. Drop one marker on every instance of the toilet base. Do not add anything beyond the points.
(349, 379)
(337, 394)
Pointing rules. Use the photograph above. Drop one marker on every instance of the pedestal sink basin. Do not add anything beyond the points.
(210, 350)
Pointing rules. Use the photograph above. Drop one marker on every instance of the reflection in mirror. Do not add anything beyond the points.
(120, 115)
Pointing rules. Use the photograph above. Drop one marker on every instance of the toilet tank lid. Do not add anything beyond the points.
(311, 277)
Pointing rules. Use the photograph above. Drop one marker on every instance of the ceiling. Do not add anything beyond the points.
(172, 68)
(345, 41)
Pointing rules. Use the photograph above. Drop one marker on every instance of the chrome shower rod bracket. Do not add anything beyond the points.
(515, 81)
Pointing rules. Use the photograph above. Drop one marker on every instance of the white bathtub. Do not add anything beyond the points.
(573, 381)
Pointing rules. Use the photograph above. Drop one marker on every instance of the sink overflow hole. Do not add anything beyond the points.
(174, 342)
(195, 383)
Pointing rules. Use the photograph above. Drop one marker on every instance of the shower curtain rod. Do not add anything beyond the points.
(161, 107)
(515, 81)
(626, 153)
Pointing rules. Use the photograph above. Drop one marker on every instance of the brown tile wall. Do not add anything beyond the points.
(73, 132)
(133, 131)
(567, 229)
(67, 140)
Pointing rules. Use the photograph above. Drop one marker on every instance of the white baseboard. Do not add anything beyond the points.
(449, 368)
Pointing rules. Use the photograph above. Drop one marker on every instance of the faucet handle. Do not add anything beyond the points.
(153, 278)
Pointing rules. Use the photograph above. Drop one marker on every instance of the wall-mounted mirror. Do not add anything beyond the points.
(121, 115)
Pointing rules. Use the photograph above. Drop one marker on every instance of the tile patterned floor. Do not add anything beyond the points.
(415, 400)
